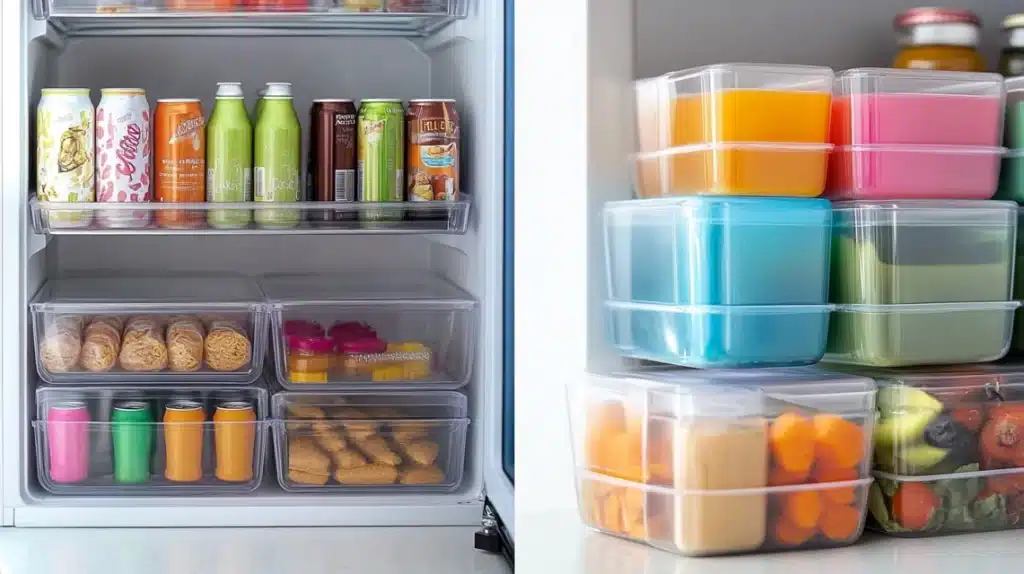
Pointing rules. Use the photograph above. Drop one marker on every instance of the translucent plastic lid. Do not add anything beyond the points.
(197, 289)
(776, 211)
(744, 76)
(863, 81)
(1015, 84)
(354, 287)
(998, 381)
(390, 406)
(913, 212)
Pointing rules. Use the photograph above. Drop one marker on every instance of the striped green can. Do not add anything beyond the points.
(381, 157)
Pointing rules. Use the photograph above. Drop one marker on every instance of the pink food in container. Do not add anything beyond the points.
(362, 346)
(906, 172)
(351, 330)
(302, 327)
(917, 119)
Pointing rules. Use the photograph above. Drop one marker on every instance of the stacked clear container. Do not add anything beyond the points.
(721, 462)
(370, 362)
(1011, 184)
(948, 451)
(723, 262)
(149, 380)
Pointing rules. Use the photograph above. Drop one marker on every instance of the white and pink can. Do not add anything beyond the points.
(124, 154)
(67, 436)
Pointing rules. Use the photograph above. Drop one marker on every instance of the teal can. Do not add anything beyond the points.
(132, 436)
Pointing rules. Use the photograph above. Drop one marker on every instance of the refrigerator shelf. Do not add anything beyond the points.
(306, 218)
(199, 17)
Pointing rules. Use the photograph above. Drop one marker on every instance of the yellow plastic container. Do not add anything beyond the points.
(739, 129)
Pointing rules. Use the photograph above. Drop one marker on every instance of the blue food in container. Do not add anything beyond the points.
(719, 282)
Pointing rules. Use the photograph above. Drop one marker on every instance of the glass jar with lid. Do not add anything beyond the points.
(1011, 61)
(939, 39)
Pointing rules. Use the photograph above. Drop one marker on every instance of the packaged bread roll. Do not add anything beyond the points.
(142, 346)
(185, 344)
(61, 346)
(101, 344)
(227, 346)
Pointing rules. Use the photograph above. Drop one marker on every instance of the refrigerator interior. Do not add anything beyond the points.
(460, 60)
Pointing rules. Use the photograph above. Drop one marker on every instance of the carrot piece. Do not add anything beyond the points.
(913, 505)
(833, 496)
(802, 508)
(788, 534)
(840, 522)
(605, 422)
(792, 441)
(625, 459)
(779, 476)
(839, 443)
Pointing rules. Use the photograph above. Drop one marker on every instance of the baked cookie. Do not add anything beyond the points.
(367, 474)
(421, 475)
(423, 452)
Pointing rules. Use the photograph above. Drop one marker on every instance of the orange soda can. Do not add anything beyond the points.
(234, 429)
(183, 439)
(179, 160)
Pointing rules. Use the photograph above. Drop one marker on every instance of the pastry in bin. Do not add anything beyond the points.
(367, 474)
(418, 474)
(307, 464)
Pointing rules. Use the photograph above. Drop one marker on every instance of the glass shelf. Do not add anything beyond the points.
(303, 218)
(248, 17)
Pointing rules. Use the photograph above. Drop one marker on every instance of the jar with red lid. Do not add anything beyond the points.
(939, 39)
(309, 358)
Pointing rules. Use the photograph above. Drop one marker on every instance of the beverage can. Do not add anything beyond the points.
(278, 141)
(131, 429)
(229, 157)
(183, 441)
(235, 433)
(180, 173)
(123, 152)
(432, 152)
(331, 167)
(381, 133)
(66, 153)
(67, 437)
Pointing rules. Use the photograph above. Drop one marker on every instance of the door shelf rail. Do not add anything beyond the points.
(300, 218)
(318, 17)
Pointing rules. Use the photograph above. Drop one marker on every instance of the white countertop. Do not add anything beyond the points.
(245, 551)
(557, 542)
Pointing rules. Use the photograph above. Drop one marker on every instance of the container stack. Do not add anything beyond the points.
(727, 263)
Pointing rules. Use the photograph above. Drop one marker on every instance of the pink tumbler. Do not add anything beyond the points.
(67, 431)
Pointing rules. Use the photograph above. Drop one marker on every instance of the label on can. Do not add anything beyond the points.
(180, 151)
(380, 152)
(65, 155)
(433, 151)
(124, 152)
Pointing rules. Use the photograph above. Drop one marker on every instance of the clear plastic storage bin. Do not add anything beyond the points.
(719, 281)
(947, 449)
(722, 462)
(1017, 345)
(179, 329)
(150, 440)
(913, 172)
(740, 129)
(371, 331)
(401, 443)
(923, 251)
(889, 107)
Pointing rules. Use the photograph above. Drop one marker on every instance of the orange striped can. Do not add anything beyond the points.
(183, 439)
(234, 429)
(179, 160)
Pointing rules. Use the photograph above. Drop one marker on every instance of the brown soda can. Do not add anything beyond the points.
(432, 154)
(331, 166)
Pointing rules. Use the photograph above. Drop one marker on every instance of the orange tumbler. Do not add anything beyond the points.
(234, 428)
(183, 439)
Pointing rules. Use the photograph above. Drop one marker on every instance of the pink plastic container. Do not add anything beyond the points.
(907, 172)
(68, 435)
(878, 106)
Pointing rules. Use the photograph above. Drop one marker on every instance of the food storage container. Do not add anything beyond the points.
(671, 457)
(370, 443)
(707, 281)
(921, 251)
(947, 451)
(150, 440)
(386, 331)
(176, 329)
(1011, 177)
(913, 172)
(1017, 345)
(740, 129)
(1014, 134)
(888, 107)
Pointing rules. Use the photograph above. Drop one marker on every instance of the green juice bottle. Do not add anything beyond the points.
(229, 158)
(278, 144)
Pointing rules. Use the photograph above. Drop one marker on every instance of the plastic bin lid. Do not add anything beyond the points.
(860, 81)
(193, 289)
(356, 286)
(775, 211)
(944, 378)
(943, 212)
(716, 77)
(400, 405)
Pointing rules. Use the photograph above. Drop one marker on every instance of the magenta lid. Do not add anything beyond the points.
(363, 345)
(302, 327)
(310, 344)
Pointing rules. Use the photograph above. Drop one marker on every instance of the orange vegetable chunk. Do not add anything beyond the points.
(839, 442)
(786, 533)
(839, 523)
(802, 509)
(792, 442)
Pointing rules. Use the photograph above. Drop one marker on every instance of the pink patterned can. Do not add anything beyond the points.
(124, 154)
(67, 436)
